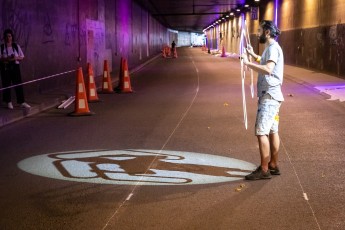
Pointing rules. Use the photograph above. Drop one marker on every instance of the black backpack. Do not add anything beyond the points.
(14, 46)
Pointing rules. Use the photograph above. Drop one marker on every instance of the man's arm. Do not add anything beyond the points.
(263, 69)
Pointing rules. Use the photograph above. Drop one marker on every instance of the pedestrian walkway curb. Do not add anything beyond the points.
(10, 116)
(45, 101)
(312, 79)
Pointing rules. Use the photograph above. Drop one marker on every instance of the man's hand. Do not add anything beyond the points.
(245, 59)
(250, 50)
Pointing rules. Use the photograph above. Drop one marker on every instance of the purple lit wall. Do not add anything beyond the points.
(276, 12)
(124, 24)
(77, 32)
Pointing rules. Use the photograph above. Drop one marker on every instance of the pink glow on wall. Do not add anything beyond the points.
(276, 12)
(124, 17)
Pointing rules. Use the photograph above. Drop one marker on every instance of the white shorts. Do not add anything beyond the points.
(267, 117)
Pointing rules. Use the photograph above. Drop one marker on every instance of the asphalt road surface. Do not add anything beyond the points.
(173, 155)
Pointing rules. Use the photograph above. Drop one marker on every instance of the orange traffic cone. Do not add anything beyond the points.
(168, 51)
(91, 85)
(223, 52)
(175, 53)
(163, 52)
(125, 86)
(81, 105)
(106, 83)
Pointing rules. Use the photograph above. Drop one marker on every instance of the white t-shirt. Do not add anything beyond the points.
(9, 51)
(271, 84)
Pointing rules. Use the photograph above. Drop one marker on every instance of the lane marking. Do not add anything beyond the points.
(129, 196)
(300, 184)
(305, 196)
(166, 142)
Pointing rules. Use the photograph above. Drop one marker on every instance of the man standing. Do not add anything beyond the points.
(270, 80)
(173, 45)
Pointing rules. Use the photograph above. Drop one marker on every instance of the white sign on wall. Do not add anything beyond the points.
(95, 43)
(255, 13)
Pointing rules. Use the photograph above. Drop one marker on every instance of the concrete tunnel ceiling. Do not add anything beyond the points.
(191, 15)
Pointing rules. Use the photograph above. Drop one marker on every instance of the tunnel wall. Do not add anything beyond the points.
(313, 33)
(59, 36)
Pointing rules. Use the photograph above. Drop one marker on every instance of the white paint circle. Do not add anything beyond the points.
(139, 167)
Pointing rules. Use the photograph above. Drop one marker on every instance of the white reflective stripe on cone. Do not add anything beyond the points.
(82, 104)
(80, 88)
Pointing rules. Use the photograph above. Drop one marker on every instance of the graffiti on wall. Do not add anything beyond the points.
(47, 35)
(16, 18)
(325, 48)
(336, 48)
(320, 48)
(71, 34)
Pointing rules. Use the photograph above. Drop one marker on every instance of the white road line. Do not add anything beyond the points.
(165, 143)
(305, 196)
(300, 184)
(129, 196)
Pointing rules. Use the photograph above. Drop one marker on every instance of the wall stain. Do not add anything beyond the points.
(48, 36)
(16, 18)
(320, 48)
(71, 33)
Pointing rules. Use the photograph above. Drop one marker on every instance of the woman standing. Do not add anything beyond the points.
(10, 57)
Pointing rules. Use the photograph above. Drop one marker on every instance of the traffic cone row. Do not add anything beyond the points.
(166, 51)
(88, 93)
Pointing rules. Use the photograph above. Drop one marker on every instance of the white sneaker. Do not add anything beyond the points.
(9, 105)
(25, 105)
